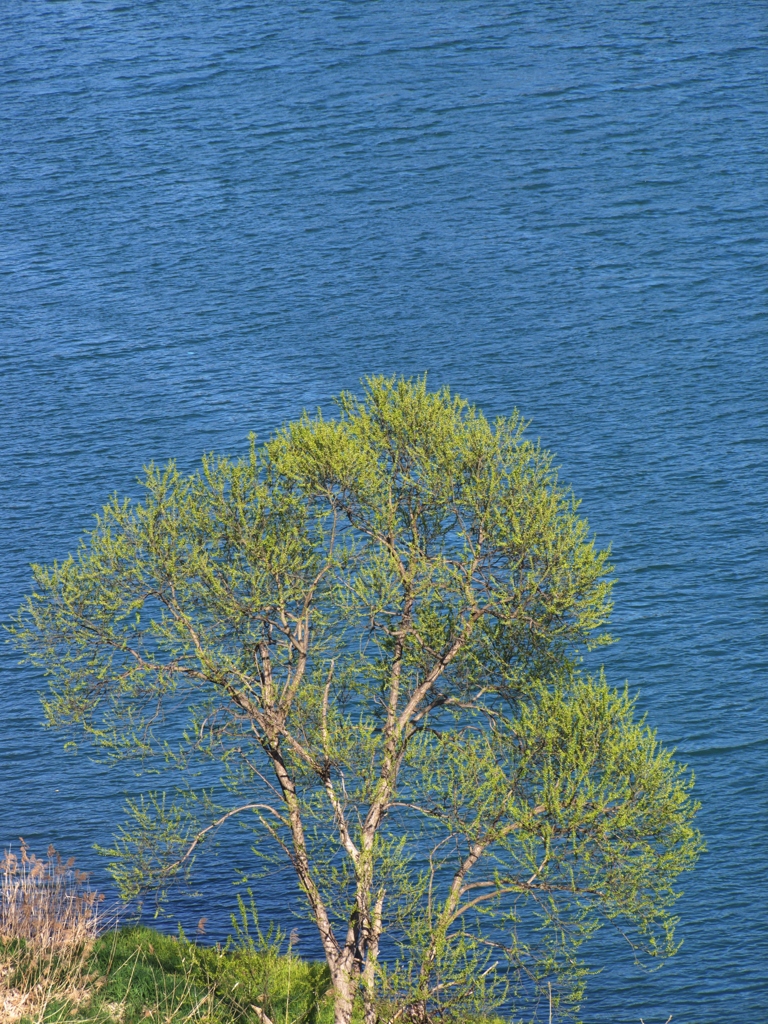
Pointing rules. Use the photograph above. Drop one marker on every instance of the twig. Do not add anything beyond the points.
(260, 1014)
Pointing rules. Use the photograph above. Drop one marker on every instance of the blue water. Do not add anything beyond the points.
(214, 215)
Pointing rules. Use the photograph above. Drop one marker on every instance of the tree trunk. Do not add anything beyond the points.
(371, 962)
(344, 986)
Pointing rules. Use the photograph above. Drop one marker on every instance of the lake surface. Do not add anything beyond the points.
(215, 215)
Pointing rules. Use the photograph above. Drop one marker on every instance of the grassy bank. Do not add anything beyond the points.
(137, 974)
(61, 961)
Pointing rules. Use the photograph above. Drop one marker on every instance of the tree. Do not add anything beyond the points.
(374, 624)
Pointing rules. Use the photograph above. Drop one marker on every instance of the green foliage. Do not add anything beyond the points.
(373, 625)
(138, 974)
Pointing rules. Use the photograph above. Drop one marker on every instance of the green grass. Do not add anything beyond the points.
(139, 975)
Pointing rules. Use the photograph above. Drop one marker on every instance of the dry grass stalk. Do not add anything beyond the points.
(49, 918)
(48, 903)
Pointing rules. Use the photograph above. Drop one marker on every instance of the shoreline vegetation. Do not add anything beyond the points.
(66, 960)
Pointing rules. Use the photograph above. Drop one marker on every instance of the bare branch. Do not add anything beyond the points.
(220, 821)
